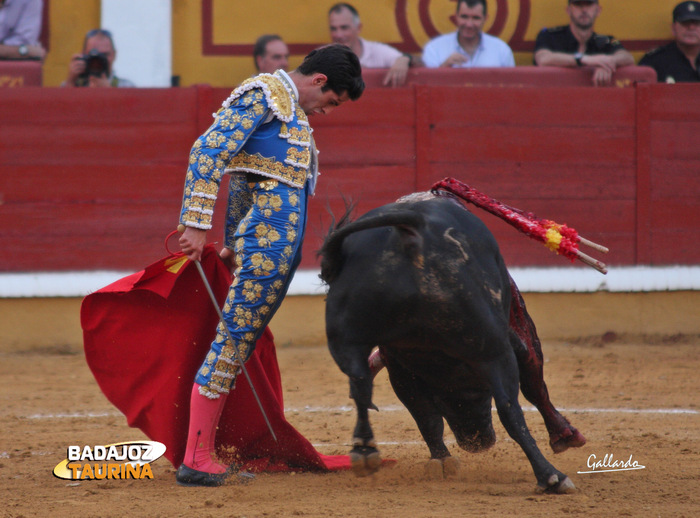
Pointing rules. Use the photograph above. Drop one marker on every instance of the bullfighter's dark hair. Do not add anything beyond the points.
(340, 65)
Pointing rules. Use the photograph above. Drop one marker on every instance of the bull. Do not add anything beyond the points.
(425, 281)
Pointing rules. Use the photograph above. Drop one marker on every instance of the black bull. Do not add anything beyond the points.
(426, 282)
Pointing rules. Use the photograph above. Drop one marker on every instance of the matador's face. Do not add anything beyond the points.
(319, 102)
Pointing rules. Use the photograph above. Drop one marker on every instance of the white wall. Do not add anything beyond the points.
(625, 279)
(142, 35)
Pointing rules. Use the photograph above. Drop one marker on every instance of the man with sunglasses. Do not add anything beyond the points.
(576, 45)
(99, 46)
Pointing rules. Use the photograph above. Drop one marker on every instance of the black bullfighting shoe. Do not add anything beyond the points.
(187, 476)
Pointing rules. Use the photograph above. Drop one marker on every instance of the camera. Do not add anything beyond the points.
(96, 65)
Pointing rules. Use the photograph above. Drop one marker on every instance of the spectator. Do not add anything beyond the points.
(20, 25)
(270, 53)
(468, 46)
(95, 66)
(576, 45)
(345, 26)
(679, 61)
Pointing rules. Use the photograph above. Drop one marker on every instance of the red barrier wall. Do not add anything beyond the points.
(15, 74)
(518, 76)
(92, 179)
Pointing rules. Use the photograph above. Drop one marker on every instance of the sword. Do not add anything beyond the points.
(230, 338)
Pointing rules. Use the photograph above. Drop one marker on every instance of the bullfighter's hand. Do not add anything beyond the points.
(229, 258)
(192, 242)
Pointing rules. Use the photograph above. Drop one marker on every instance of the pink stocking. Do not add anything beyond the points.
(201, 440)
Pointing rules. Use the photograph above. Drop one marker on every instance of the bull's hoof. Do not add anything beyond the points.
(438, 469)
(433, 470)
(451, 466)
(569, 438)
(365, 460)
(557, 486)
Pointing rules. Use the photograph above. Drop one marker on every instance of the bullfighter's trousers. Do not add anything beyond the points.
(267, 250)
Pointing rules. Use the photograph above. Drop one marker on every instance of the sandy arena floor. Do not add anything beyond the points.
(629, 397)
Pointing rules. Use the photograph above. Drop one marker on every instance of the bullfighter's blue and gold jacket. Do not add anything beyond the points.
(259, 129)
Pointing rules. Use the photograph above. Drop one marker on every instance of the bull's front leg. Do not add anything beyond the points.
(503, 377)
(562, 434)
(364, 456)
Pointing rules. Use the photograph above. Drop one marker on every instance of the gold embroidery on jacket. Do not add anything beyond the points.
(199, 204)
(269, 167)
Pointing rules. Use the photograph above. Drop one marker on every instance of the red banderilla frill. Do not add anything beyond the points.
(558, 238)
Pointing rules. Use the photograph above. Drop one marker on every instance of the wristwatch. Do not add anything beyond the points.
(578, 57)
(23, 50)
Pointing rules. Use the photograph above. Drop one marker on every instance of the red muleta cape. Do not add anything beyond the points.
(146, 335)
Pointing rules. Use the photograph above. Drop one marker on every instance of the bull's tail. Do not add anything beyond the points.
(407, 222)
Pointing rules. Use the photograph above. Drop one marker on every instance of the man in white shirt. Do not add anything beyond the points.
(468, 46)
(345, 26)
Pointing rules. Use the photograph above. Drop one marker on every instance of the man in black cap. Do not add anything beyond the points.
(576, 45)
(679, 61)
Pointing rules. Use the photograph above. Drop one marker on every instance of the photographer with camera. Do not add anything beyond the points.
(93, 68)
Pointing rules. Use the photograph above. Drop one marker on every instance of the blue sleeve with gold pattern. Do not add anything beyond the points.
(212, 152)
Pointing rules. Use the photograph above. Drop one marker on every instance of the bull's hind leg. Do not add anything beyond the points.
(364, 456)
(562, 435)
(421, 404)
(503, 377)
